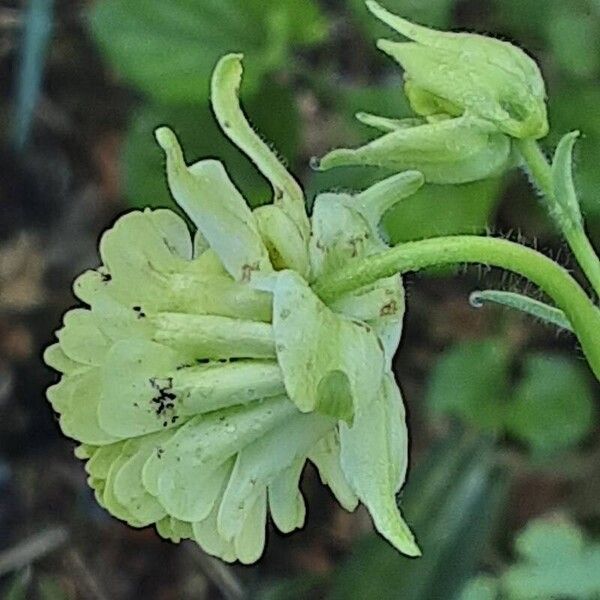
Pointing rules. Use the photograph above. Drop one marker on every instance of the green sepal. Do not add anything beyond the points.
(449, 151)
(562, 182)
(326, 457)
(535, 308)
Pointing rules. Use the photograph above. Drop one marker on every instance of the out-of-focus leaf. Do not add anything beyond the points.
(434, 13)
(168, 49)
(470, 382)
(574, 39)
(556, 562)
(296, 588)
(50, 589)
(453, 501)
(552, 406)
(480, 588)
(17, 588)
(145, 179)
(434, 210)
(521, 17)
(388, 100)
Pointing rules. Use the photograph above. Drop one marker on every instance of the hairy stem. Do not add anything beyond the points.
(541, 173)
(553, 279)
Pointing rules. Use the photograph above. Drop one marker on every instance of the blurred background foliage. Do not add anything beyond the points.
(504, 489)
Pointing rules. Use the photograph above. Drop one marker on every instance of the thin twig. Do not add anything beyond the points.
(88, 585)
(10, 18)
(218, 573)
(32, 549)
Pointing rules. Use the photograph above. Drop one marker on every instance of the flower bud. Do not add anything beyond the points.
(446, 151)
(457, 73)
(205, 371)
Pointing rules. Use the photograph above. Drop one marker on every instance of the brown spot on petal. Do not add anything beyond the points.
(391, 308)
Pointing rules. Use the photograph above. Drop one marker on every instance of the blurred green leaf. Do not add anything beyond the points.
(386, 100)
(556, 562)
(452, 502)
(435, 210)
(470, 381)
(168, 49)
(574, 39)
(17, 588)
(145, 179)
(480, 588)
(50, 589)
(552, 406)
(295, 588)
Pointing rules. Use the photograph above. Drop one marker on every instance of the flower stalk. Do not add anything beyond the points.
(549, 276)
(572, 228)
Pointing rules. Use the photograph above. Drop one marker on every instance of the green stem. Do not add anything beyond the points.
(553, 279)
(578, 241)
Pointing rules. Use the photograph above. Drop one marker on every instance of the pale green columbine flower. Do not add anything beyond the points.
(458, 73)
(206, 372)
(472, 94)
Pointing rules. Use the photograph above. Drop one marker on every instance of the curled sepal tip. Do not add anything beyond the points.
(537, 309)
(225, 87)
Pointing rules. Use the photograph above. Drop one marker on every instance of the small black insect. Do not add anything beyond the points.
(140, 313)
(164, 399)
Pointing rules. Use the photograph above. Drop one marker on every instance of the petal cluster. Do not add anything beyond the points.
(204, 372)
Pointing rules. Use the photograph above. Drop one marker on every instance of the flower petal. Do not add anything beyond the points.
(205, 192)
(374, 457)
(286, 502)
(326, 457)
(328, 361)
(286, 247)
(81, 340)
(259, 463)
(225, 87)
(203, 446)
(129, 490)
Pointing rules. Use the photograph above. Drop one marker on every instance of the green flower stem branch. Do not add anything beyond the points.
(553, 279)
(541, 173)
